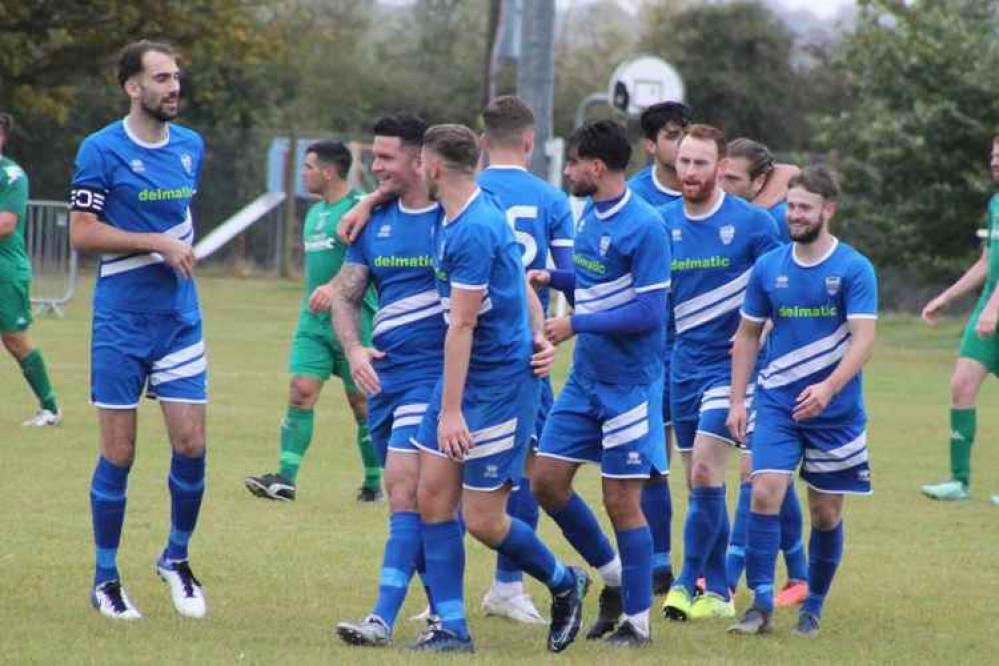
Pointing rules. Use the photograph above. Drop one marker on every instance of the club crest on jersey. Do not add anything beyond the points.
(781, 282)
(832, 284)
(137, 166)
(188, 163)
(726, 233)
(677, 236)
(605, 242)
(385, 231)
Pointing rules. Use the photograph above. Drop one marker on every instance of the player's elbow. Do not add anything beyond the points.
(80, 233)
(8, 224)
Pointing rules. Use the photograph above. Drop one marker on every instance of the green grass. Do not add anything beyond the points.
(917, 584)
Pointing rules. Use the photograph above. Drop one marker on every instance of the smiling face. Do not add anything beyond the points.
(698, 167)
(395, 165)
(807, 214)
(156, 89)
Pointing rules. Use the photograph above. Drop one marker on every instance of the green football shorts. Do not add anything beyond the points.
(983, 350)
(315, 351)
(15, 306)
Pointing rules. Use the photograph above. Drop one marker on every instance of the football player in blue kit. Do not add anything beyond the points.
(399, 371)
(821, 296)
(662, 125)
(541, 219)
(475, 432)
(609, 411)
(131, 195)
(716, 238)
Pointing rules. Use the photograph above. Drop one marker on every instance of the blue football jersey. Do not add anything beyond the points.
(140, 187)
(538, 213)
(810, 305)
(477, 250)
(713, 255)
(619, 254)
(779, 213)
(396, 246)
(645, 185)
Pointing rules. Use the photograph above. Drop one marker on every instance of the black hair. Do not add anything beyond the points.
(333, 153)
(408, 127)
(130, 57)
(603, 140)
(657, 116)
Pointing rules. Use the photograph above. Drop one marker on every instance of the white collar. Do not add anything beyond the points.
(475, 195)
(704, 216)
(506, 167)
(416, 211)
(662, 188)
(145, 144)
(813, 264)
(615, 209)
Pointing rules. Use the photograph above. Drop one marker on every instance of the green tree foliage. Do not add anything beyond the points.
(913, 144)
(735, 59)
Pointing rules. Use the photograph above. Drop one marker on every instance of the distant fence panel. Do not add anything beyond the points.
(53, 259)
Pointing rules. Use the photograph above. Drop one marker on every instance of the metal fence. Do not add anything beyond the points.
(53, 260)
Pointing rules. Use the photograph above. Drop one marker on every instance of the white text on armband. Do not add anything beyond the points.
(86, 200)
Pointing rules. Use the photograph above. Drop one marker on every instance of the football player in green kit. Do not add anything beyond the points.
(978, 356)
(315, 352)
(15, 283)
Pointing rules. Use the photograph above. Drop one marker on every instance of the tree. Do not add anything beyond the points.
(913, 144)
(735, 59)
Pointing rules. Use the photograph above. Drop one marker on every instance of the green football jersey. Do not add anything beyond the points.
(992, 242)
(323, 251)
(14, 263)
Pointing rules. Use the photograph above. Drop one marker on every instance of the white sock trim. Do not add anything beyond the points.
(610, 573)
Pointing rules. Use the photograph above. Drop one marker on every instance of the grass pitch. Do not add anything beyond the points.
(917, 583)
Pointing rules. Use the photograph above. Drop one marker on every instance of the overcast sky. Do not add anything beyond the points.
(826, 9)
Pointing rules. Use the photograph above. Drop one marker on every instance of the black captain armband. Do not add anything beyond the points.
(87, 200)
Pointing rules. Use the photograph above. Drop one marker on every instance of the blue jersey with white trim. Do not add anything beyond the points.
(646, 185)
(143, 188)
(477, 250)
(619, 254)
(396, 247)
(810, 306)
(779, 213)
(713, 255)
(538, 213)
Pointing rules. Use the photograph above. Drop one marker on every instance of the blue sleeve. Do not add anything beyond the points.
(647, 311)
(562, 258)
(560, 229)
(89, 171)
(356, 253)
(471, 252)
(650, 258)
(756, 307)
(766, 237)
(861, 291)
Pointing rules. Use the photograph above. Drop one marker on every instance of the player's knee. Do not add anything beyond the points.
(484, 527)
(401, 493)
(549, 490)
(623, 508)
(766, 497)
(701, 474)
(302, 393)
(189, 442)
(825, 516)
(18, 345)
(963, 389)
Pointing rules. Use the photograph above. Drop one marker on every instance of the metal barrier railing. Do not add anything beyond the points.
(53, 259)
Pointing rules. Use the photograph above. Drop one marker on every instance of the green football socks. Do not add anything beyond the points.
(962, 436)
(33, 367)
(296, 435)
(372, 468)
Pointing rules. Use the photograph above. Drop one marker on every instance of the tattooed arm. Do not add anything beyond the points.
(349, 286)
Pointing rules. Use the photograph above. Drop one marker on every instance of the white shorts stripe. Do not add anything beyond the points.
(414, 408)
(490, 449)
(404, 421)
(180, 356)
(492, 432)
(845, 451)
(620, 437)
(191, 369)
(627, 418)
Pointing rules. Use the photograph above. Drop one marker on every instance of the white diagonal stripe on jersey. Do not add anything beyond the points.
(180, 356)
(652, 287)
(838, 453)
(625, 436)
(604, 288)
(704, 316)
(612, 301)
(409, 318)
(805, 369)
(837, 465)
(627, 418)
(408, 304)
(490, 449)
(414, 408)
(125, 265)
(725, 391)
(487, 305)
(562, 242)
(785, 361)
(492, 432)
(708, 298)
(722, 403)
(191, 369)
(402, 422)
